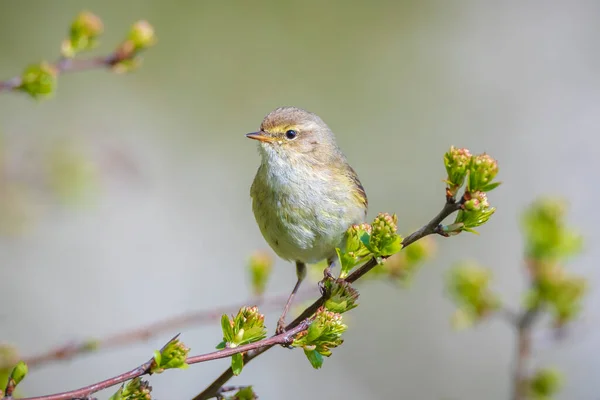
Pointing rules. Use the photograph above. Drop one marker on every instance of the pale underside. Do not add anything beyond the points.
(303, 215)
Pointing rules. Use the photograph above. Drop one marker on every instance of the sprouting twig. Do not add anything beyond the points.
(69, 351)
(433, 227)
(285, 338)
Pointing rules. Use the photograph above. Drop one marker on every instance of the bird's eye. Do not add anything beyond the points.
(291, 134)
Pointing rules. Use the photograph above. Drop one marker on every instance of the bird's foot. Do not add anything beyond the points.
(280, 326)
(281, 330)
(327, 275)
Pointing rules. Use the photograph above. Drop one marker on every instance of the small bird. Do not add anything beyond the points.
(305, 194)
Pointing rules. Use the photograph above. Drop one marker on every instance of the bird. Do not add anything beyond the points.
(305, 195)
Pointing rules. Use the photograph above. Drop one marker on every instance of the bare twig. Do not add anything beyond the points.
(433, 227)
(285, 338)
(521, 378)
(70, 350)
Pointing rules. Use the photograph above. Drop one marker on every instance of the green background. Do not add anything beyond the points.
(166, 227)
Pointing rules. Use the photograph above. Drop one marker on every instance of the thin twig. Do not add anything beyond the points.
(70, 350)
(521, 378)
(67, 65)
(285, 338)
(433, 227)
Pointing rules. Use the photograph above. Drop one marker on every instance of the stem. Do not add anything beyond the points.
(520, 380)
(69, 351)
(144, 369)
(432, 227)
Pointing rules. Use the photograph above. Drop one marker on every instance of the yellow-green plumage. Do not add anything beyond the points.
(304, 195)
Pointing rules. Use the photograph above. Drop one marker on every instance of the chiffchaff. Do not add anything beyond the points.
(305, 195)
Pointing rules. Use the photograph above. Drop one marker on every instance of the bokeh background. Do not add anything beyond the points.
(125, 198)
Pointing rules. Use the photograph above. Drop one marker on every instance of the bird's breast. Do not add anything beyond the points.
(303, 213)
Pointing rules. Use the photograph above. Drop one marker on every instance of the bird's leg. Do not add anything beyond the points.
(327, 271)
(300, 274)
(327, 274)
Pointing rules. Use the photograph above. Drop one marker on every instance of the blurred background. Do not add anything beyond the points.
(125, 199)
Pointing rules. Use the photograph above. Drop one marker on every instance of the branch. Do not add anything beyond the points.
(40, 80)
(521, 379)
(66, 65)
(433, 227)
(285, 338)
(70, 350)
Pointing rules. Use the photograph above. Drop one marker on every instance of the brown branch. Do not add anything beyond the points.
(433, 227)
(67, 65)
(285, 338)
(70, 350)
(521, 378)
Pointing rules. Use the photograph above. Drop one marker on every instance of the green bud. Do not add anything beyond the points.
(340, 295)
(482, 170)
(561, 292)
(457, 162)
(248, 326)
(323, 334)
(354, 250)
(468, 284)
(260, 266)
(546, 383)
(246, 393)
(476, 211)
(173, 355)
(83, 35)
(142, 35)
(547, 236)
(135, 389)
(39, 80)
(384, 241)
(19, 372)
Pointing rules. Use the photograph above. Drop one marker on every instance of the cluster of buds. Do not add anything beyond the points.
(545, 384)
(469, 286)
(83, 35)
(560, 291)
(135, 389)
(482, 171)
(173, 355)
(476, 211)
(479, 172)
(340, 295)
(260, 266)
(547, 238)
(548, 242)
(141, 37)
(323, 334)
(457, 163)
(39, 80)
(354, 250)
(248, 326)
(384, 240)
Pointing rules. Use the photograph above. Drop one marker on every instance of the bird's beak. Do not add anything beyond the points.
(260, 136)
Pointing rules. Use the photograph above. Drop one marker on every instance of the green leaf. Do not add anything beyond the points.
(237, 363)
(157, 357)
(347, 262)
(491, 186)
(221, 346)
(227, 328)
(391, 247)
(316, 359)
